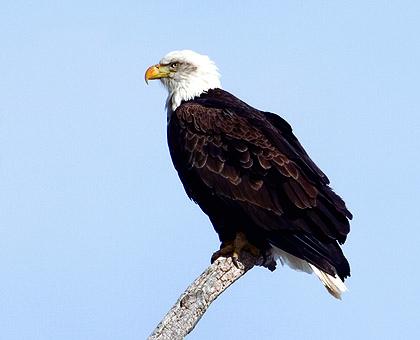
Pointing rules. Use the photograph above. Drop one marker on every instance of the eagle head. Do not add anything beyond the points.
(185, 74)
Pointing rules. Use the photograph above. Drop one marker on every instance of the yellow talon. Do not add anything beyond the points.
(235, 248)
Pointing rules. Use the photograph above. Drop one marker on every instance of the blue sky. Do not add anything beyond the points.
(98, 239)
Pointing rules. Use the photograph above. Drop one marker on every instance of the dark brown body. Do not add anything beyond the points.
(249, 173)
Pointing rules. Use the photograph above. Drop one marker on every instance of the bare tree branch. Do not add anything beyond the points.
(193, 303)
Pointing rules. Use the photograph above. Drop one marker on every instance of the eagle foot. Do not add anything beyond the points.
(234, 249)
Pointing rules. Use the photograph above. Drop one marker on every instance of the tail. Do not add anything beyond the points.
(334, 284)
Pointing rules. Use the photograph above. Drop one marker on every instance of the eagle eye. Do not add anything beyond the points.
(173, 65)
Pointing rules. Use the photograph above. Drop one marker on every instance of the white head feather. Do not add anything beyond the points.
(195, 74)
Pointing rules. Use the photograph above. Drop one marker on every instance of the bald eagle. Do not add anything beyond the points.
(248, 172)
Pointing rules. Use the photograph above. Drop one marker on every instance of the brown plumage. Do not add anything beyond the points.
(249, 173)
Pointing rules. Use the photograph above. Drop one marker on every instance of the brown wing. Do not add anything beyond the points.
(239, 161)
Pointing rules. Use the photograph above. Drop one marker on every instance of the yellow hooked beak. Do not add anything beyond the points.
(156, 72)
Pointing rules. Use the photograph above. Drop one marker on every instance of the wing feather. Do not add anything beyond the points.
(252, 161)
(234, 151)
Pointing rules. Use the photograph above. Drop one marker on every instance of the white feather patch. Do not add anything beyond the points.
(192, 82)
(291, 260)
(334, 284)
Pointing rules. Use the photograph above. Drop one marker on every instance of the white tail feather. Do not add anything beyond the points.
(291, 260)
(334, 284)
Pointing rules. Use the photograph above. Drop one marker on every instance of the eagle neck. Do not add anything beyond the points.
(175, 99)
(185, 89)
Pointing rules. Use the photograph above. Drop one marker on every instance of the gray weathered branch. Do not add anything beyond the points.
(193, 303)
